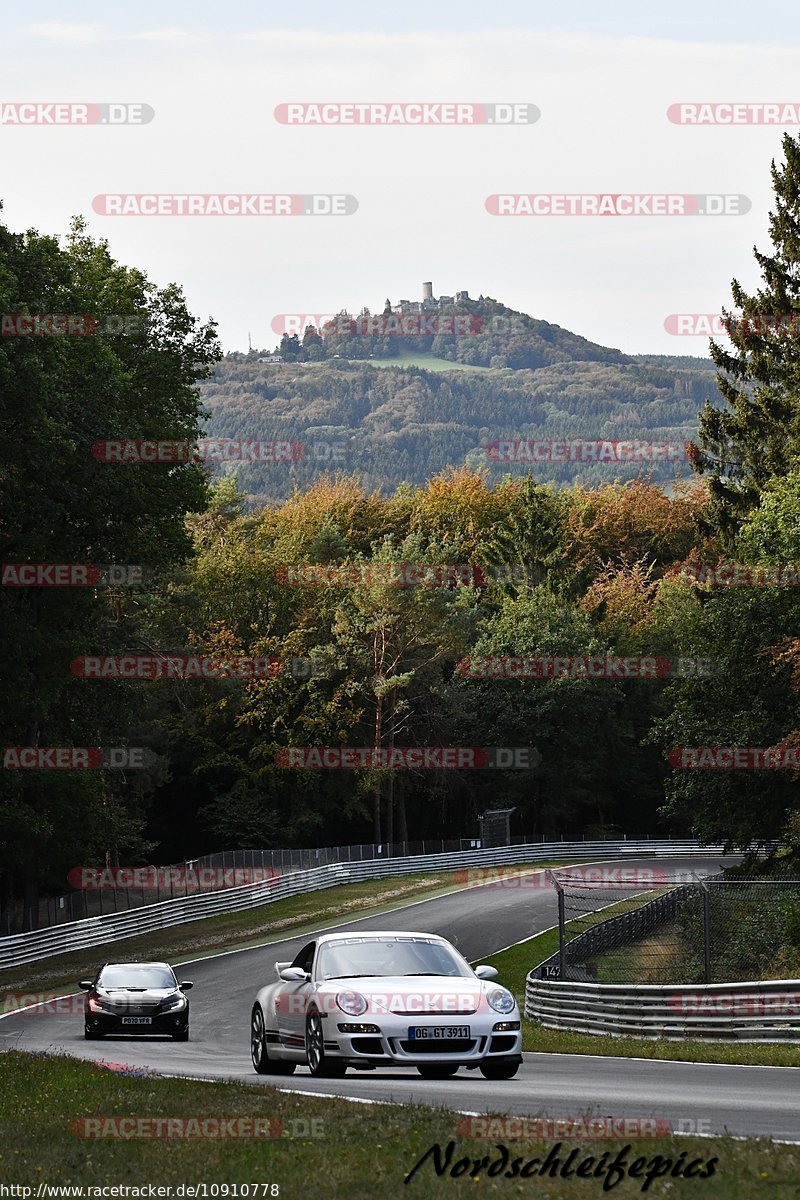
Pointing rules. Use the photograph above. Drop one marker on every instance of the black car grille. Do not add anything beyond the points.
(133, 1010)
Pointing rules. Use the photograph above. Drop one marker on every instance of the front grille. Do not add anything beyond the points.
(439, 1046)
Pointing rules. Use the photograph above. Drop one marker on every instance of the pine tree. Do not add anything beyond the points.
(757, 437)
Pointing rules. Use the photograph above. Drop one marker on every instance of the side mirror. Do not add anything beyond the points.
(486, 972)
(86, 984)
(293, 975)
(186, 986)
(281, 966)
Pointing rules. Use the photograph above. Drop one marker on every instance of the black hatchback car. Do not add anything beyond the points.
(138, 998)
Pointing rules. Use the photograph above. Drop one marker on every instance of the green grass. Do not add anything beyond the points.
(358, 1152)
(215, 935)
(515, 964)
(652, 959)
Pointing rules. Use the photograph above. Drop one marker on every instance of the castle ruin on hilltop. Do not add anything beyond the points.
(428, 303)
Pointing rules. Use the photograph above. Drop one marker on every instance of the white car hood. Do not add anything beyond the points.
(414, 995)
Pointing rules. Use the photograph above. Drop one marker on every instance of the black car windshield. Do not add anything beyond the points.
(363, 956)
(135, 976)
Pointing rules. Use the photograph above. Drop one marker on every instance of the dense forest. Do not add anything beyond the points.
(380, 594)
(403, 424)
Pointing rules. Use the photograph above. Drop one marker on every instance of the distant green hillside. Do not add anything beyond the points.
(401, 409)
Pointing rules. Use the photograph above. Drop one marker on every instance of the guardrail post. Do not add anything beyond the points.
(706, 935)
(562, 931)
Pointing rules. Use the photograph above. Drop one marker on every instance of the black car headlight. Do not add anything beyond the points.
(171, 1002)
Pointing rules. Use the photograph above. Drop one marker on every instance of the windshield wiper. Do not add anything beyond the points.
(364, 975)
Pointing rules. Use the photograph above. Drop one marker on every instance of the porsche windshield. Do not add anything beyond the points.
(357, 957)
(136, 977)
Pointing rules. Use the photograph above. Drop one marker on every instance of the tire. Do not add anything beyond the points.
(437, 1070)
(91, 1035)
(262, 1063)
(181, 1036)
(498, 1068)
(320, 1066)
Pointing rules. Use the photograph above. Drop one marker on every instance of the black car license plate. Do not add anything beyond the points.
(137, 1020)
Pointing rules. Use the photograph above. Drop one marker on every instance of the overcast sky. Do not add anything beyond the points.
(603, 76)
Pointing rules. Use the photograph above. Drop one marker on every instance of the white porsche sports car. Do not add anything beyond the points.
(368, 1000)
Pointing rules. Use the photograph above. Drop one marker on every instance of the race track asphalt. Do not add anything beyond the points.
(692, 1097)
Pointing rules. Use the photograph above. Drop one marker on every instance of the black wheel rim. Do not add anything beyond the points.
(257, 1037)
(314, 1042)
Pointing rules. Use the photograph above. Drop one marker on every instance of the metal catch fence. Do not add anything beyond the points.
(635, 927)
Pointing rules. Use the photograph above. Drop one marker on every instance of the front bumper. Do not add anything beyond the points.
(160, 1023)
(391, 1044)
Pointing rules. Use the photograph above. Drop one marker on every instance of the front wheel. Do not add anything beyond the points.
(438, 1070)
(262, 1063)
(181, 1036)
(498, 1068)
(319, 1064)
(91, 1035)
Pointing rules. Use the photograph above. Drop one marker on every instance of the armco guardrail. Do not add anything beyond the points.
(97, 931)
(753, 1012)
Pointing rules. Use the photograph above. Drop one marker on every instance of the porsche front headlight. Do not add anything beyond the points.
(501, 1000)
(352, 1003)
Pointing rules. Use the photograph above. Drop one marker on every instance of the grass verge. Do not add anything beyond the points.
(356, 1152)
